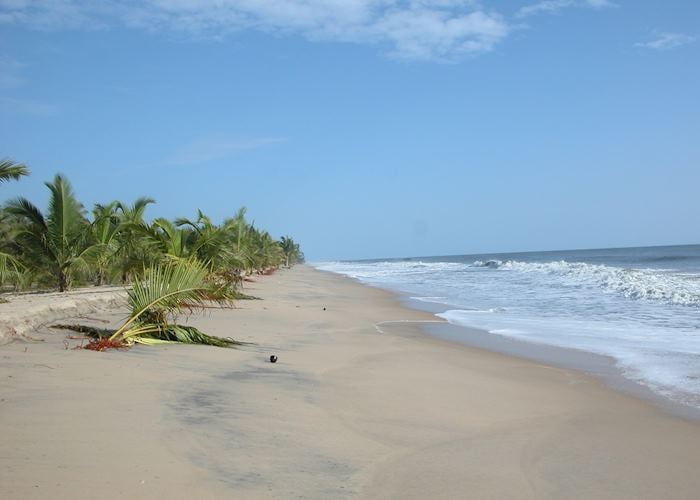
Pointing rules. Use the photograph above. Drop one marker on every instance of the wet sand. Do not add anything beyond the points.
(352, 409)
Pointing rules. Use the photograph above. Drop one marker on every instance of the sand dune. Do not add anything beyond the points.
(23, 313)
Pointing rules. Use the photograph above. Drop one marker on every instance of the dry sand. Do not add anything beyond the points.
(346, 412)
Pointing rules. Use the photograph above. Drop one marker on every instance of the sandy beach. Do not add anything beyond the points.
(362, 403)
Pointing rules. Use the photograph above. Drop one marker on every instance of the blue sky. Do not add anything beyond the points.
(368, 128)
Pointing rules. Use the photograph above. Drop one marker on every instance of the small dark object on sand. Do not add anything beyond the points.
(324, 308)
(273, 359)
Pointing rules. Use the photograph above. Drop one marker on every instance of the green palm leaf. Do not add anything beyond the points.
(10, 268)
(165, 290)
(53, 242)
(9, 170)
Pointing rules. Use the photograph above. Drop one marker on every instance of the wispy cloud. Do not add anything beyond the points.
(544, 7)
(443, 30)
(10, 73)
(27, 106)
(552, 6)
(601, 3)
(209, 149)
(49, 14)
(665, 41)
(12, 97)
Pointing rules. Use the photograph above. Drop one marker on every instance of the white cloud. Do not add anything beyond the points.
(209, 149)
(412, 29)
(665, 41)
(552, 6)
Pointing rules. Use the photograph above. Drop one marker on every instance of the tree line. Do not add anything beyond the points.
(66, 245)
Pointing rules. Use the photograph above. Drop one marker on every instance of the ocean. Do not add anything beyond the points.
(639, 306)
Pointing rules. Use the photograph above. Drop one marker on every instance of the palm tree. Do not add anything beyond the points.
(104, 232)
(10, 266)
(209, 242)
(237, 232)
(132, 251)
(266, 253)
(291, 250)
(167, 289)
(169, 240)
(164, 290)
(10, 170)
(199, 239)
(56, 242)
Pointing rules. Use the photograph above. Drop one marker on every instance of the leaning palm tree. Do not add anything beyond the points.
(55, 242)
(10, 170)
(166, 289)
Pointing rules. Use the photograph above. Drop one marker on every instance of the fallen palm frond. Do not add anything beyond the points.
(191, 335)
(90, 331)
(167, 289)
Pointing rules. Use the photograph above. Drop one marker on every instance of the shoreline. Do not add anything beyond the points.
(600, 366)
(597, 365)
(346, 412)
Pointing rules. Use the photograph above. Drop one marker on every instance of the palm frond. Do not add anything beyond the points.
(10, 170)
(165, 290)
(11, 268)
(192, 335)
(24, 208)
(65, 214)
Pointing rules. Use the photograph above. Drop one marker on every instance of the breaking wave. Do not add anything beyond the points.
(644, 284)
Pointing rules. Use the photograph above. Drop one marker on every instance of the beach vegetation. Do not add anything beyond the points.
(53, 245)
(291, 251)
(11, 170)
(10, 267)
(167, 266)
(163, 292)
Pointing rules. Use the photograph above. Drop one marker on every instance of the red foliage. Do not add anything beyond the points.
(104, 344)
